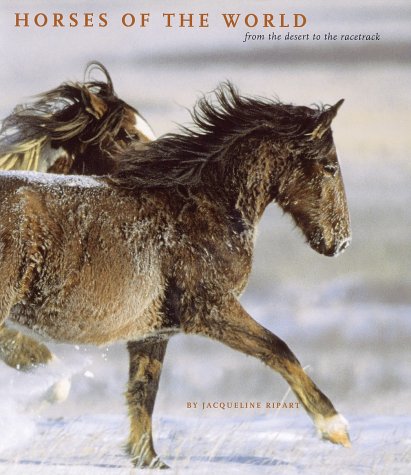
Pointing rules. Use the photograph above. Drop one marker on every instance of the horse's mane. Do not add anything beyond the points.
(179, 158)
(62, 114)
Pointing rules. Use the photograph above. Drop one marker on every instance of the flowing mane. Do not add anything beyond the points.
(179, 158)
(88, 112)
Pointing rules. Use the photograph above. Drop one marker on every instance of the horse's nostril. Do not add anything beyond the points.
(343, 245)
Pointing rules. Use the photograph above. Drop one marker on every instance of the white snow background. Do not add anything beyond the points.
(347, 319)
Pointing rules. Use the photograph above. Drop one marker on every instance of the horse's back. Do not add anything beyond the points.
(30, 197)
(15, 179)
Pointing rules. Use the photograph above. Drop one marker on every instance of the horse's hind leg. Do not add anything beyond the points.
(232, 325)
(16, 350)
(20, 351)
(146, 361)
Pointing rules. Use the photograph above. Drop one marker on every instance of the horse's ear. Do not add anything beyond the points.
(94, 104)
(331, 112)
(324, 120)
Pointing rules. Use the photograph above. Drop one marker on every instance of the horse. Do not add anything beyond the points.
(76, 128)
(165, 244)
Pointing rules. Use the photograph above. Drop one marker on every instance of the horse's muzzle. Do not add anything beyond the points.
(338, 248)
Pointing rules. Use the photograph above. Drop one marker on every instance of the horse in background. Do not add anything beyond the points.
(165, 244)
(76, 128)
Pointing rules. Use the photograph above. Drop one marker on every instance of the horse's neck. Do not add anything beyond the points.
(251, 180)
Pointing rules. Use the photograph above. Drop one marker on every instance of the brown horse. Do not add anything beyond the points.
(76, 128)
(166, 244)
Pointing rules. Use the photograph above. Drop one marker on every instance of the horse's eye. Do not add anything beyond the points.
(127, 136)
(331, 168)
(121, 135)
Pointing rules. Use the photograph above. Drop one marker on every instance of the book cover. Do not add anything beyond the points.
(346, 318)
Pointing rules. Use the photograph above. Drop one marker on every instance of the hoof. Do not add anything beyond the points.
(154, 463)
(334, 429)
(145, 457)
(157, 463)
(58, 392)
(22, 352)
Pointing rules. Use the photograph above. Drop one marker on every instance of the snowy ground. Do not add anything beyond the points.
(263, 444)
(347, 319)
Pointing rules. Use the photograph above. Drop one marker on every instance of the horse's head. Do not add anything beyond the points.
(75, 128)
(311, 188)
(109, 124)
(99, 100)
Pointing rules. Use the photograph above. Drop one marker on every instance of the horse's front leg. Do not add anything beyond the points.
(229, 323)
(146, 361)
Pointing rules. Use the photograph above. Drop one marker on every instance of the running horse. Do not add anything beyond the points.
(165, 244)
(76, 128)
